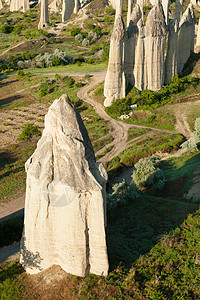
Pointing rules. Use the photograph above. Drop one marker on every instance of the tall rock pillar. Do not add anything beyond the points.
(119, 9)
(26, 5)
(115, 83)
(130, 9)
(131, 43)
(186, 37)
(16, 5)
(179, 9)
(165, 4)
(76, 6)
(155, 41)
(198, 35)
(65, 204)
(67, 10)
(44, 14)
(1, 5)
(171, 63)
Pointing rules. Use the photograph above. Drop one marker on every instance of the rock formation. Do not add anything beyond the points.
(119, 8)
(155, 40)
(198, 35)
(130, 46)
(171, 62)
(178, 9)
(44, 14)
(186, 36)
(16, 5)
(152, 53)
(65, 199)
(67, 11)
(26, 5)
(115, 84)
(165, 5)
(76, 6)
(130, 9)
(1, 5)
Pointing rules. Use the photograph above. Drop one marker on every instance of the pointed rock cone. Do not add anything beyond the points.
(130, 9)
(186, 37)
(115, 83)
(131, 43)
(67, 10)
(155, 41)
(165, 4)
(65, 204)
(179, 9)
(44, 14)
(171, 63)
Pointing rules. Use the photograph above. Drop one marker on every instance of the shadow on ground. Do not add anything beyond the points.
(135, 228)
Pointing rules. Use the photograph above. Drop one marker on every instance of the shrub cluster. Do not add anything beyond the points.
(149, 99)
(148, 174)
(194, 143)
(28, 131)
(122, 193)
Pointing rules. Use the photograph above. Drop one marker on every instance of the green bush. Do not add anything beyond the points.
(148, 174)
(90, 26)
(75, 31)
(122, 193)
(110, 11)
(6, 28)
(28, 131)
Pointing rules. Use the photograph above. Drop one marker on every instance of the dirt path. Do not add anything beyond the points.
(11, 48)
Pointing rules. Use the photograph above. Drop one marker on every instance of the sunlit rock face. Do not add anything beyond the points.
(186, 36)
(44, 14)
(115, 83)
(148, 54)
(65, 199)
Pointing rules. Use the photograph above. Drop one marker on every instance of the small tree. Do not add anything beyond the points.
(148, 173)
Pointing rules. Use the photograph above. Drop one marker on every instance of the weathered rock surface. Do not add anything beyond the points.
(26, 5)
(76, 6)
(16, 5)
(119, 8)
(65, 199)
(44, 14)
(155, 40)
(131, 43)
(1, 5)
(67, 10)
(186, 37)
(130, 9)
(115, 83)
(198, 35)
(178, 9)
(171, 63)
(165, 4)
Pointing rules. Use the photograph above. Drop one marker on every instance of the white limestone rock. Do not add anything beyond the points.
(76, 6)
(44, 14)
(26, 5)
(198, 35)
(178, 9)
(165, 4)
(186, 37)
(67, 10)
(171, 63)
(115, 83)
(16, 5)
(119, 8)
(130, 9)
(1, 5)
(155, 41)
(131, 43)
(65, 199)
